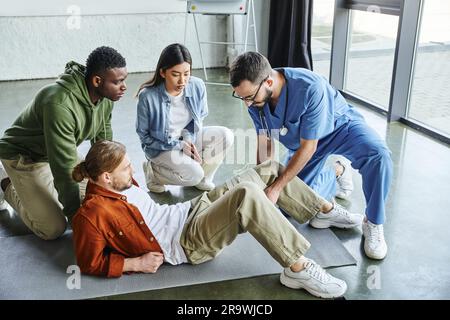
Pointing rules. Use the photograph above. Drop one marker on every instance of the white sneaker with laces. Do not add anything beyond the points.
(338, 217)
(205, 185)
(374, 244)
(152, 184)
(315, 280)
(344, 181)
(3, 175)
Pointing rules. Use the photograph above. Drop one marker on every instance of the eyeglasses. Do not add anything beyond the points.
(252, 98)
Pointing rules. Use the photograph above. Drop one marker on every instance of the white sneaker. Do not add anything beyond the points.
(3, 205)
(3, 175)
(374, 244)
(315, 280)
(152, 184)
(338, 217)
(205, 185)
(344, 181)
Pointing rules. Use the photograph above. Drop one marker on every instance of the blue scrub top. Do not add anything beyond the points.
(308, 106)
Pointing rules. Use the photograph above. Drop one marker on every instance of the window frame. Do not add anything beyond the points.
(410, 18)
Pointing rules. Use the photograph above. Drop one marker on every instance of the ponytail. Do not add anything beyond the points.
(79, 173)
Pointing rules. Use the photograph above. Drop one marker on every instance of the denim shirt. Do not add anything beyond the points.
(153, 110)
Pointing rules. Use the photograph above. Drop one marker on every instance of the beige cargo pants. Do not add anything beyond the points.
(240, 205)
(33, 196)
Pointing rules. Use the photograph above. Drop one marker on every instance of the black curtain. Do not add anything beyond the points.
(290, 33)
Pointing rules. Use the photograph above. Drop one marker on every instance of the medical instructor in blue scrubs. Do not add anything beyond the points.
(313, 121)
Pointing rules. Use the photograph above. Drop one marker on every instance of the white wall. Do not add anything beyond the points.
(237, 27)
(39, 47)
(262, 13)
(27, 8)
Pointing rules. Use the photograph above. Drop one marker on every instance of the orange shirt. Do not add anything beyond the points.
(106, 230)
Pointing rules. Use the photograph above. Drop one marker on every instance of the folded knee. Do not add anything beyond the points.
(382, 159)
(248, 188)
(271, 167)
(192, 176)
(51, 232)
(228, 138)
(384, 155)
(387, 161)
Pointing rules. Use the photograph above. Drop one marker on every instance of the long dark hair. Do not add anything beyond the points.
(172, 55)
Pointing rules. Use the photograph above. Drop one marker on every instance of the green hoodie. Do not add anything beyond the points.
(57, 120)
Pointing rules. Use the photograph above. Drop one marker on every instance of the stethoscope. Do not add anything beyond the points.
(262, 117)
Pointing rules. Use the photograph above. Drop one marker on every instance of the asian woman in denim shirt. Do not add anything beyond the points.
(171, 108)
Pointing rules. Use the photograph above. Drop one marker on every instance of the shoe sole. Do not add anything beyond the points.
(374, 257)
(295, 285)
(318, 224)
(3, 205)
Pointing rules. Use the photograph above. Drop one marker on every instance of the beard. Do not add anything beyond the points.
(120, 185)
(265, 100)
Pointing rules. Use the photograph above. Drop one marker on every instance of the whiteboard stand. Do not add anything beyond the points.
(250, 10)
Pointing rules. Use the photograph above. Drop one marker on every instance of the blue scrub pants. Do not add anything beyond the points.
(369, 155)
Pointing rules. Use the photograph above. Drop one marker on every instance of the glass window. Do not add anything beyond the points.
(321, 36)
(370, 58)
(430, 94)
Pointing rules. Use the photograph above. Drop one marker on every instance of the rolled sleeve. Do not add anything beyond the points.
(116, 262)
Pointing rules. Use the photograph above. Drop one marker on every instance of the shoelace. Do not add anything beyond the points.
(376, 233)
(341, 211)
(316, 271)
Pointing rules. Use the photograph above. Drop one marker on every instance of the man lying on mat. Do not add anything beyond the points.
(120, 229)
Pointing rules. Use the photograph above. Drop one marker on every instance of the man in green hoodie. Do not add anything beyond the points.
(39, 150)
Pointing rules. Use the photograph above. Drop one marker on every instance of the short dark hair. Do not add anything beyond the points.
(251, 66)
(102, 59)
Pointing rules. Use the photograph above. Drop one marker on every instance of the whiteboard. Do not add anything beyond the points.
(27, 8)
(217, 6)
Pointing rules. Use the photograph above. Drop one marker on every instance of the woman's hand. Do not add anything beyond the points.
(190, 150)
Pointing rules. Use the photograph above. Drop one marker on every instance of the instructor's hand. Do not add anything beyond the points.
(272, 193)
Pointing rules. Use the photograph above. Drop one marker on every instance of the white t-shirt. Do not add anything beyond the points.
(165, 221)
(179, 116)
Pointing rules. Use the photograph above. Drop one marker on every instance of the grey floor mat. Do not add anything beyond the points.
(31, 268)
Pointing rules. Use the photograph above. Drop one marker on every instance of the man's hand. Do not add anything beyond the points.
(150, 262)
(295, 165)
(190, 150)
(273, 193)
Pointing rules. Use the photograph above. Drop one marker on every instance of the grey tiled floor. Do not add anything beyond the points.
(418, 262)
